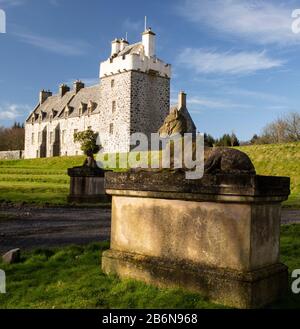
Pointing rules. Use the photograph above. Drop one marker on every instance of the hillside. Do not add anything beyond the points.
(45, 180)
(278, 160)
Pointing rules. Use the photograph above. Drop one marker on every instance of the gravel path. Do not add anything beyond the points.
(28, 228)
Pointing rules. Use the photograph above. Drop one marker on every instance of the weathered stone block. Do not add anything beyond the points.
(218, 235)
(87, 185)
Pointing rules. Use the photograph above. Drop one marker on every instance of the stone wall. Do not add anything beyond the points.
(141, 105)
(11, 155)
(150, 96)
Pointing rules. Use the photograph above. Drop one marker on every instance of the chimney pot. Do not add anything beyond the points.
(44, 95)
(78, 85)
(63, 89)
(181, 100)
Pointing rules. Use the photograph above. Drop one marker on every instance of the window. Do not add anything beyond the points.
(66, 114)
(89, 127)
(39, 137)
(40, 119)
(80, 111)
(111, 128)
(75, 132)
(51, 137)
(32, 138)
(32, 119)
(114, 106)
(63, 136)
(112, 83)
(51, 117)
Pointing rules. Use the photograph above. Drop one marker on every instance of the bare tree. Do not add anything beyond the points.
(282, 130)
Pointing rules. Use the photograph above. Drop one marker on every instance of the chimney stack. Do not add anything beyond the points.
(63, 89)
(123, 44)
(115, 47)
(149, 42)
(181, 100)
(44, 95)
(78, 85)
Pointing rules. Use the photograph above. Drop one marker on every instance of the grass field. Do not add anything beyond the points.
(71, 278)
(36, 181)
(45, 180)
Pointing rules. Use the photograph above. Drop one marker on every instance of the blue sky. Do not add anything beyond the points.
(237, 60)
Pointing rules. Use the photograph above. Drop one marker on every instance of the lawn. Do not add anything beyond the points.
(71, 278)
(46, 181)
(37, 181)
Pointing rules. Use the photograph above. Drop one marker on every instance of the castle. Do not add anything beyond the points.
(133, 96)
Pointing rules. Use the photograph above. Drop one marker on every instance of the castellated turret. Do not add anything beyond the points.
(137, 83)
(132, 96)
(139, 56)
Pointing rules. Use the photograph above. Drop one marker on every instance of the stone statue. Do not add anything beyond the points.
(227, 161)
(216, 159)
(175, 123)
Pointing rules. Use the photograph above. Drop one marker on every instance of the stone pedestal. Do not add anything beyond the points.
(218, 235)
(87, 185)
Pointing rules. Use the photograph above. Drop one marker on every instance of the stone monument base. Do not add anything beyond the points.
(87, 185)
(237, 289)
(219, 235)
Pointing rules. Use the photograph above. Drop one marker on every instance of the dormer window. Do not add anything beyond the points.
(40, 118)
(66, 114)
(51, 118)
(91, 107)
(82, 109)
(32, 120)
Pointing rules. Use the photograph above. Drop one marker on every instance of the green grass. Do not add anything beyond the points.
(40, 181)
(71, 278)
(45, 180)
(278, 160)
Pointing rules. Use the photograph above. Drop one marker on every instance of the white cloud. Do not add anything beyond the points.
(62, 47)
(131, 25)
(255, 94)
(211, 103)
(260, 22)
(206, 61)
(86, 81)
(13, 111)
(12, 2)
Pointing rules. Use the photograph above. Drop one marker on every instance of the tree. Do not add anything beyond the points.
(88, 141)
(254, 139)
(209, 141)
(283, 130)
(12, 138)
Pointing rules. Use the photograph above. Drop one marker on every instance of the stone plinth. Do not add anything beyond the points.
(218, 235)
(87, 185)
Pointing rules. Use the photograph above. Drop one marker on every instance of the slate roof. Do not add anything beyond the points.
(57, 104)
